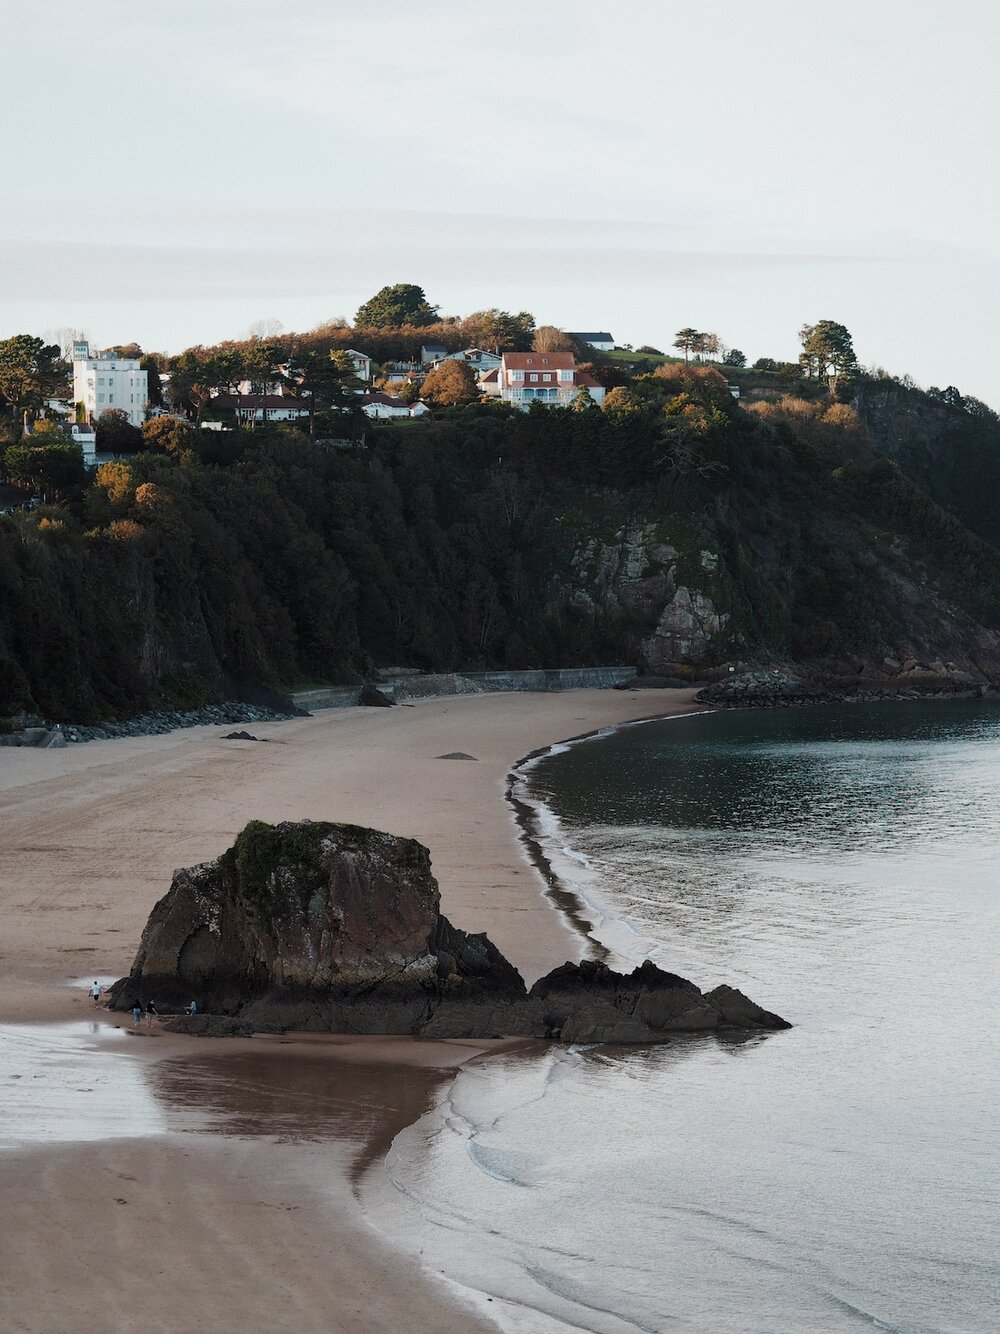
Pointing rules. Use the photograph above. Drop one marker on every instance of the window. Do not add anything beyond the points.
(546, 378)
(535, 377)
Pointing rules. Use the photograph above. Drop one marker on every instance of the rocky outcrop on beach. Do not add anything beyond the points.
(774, 688)
(336, 928)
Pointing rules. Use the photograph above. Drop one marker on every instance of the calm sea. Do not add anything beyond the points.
(839, 865)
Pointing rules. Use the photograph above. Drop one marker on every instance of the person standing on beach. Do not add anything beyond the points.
(151, 1013)
(137, 1014)
(95, 992)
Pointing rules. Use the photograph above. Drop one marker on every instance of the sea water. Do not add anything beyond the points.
(839, 865)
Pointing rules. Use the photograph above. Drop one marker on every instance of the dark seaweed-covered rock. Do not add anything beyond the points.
(374, 698)
(337, 928)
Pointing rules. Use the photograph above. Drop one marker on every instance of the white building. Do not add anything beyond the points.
(603, 342)
(251, 407)
(362, 363)
(539, 377)
(86, 437)
(477, 359)
(102, 380)
(431, 352)
(381, 406)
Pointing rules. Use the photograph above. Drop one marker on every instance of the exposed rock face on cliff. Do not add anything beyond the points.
(334, 928)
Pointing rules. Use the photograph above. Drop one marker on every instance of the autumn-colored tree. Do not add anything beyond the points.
(449, 384)
(548, 338)
(166, 435)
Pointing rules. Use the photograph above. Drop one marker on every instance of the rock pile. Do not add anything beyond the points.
(155, 724)
(335, 928)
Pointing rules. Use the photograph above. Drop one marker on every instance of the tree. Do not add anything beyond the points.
(166, 435)
(500, 329)
(734, 357)
(116, 434)
(392, 307)
(260, 365)
(52, 469)
(649, 351)
(548, 338)
(450, 384)
(266, 328)
(325, 380)
(827, 350)
(765, 364)
(708, 345)
(687, 341)
(29, 372)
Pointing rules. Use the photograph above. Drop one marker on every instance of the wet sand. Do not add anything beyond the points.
(257, 1226)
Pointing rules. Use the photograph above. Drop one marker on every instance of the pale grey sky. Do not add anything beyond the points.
(172, 176)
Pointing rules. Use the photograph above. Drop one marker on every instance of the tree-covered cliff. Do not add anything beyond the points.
(674, 528)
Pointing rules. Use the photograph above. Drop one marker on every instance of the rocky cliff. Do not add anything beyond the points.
(335, 928)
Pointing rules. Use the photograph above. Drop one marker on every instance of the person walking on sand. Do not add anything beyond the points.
(95, 992)
(151, 1013)
(137, 1014)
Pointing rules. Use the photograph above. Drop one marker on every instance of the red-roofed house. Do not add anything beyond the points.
(539, 377)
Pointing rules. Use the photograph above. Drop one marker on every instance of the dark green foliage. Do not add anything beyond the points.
(462, 543)
(267, 860)
(394, 306)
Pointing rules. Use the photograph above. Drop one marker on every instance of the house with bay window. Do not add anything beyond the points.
(550, 378)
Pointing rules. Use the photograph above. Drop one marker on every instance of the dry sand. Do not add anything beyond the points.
(222, 1233)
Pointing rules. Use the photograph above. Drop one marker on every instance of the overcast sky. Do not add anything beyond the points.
(174, 173)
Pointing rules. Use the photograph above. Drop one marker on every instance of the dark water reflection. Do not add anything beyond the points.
(841, 866)
(275, 1091)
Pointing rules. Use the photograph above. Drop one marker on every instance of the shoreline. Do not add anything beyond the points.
(574, 907)
(93, 835)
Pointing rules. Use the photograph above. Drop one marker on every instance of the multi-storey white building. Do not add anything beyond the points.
(102, 380)
(539, 377)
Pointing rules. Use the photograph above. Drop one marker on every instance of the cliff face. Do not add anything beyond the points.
(329, 927)
(686, 536)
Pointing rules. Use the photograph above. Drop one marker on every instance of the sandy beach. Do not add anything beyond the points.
(191, 1226)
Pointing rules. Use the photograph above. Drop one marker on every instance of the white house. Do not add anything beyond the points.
(380, 405)
(362, 363)
(85, 436)
(602, 342)
(398, 372)
(477, 359)
(251, 407)
(431, 352)
(539, 377)
(102, 380)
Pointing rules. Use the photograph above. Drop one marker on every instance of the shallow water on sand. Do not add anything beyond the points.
(840, 865)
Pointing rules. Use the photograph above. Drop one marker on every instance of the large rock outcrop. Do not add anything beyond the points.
(335, 928)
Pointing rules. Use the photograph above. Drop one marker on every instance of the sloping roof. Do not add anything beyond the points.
(270, 401)
(353, 352)
(592, 337)
(386, 400)
(539, 361)
(490, 377)
(582, 377)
